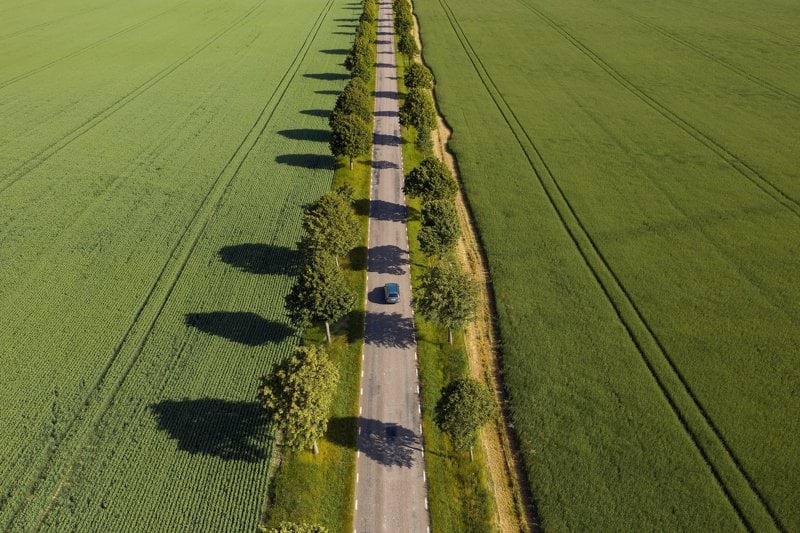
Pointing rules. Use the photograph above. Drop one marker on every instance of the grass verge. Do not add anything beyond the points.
(458, 491)
(320, 489)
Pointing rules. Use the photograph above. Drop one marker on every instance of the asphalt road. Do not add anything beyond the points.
(390, 472)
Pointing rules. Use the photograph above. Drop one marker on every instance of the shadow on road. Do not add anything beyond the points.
(384, 139)
(394, 95)
(256, 258)
(238, 326)
(387, 443)
(383, 164)
(388, 211)
(389, 330)
(233, 431)
(387, 259)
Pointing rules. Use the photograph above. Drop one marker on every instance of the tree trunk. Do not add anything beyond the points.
(450, 335)
(351, 162)
(471, 456)
(328, 331)
(315, 448)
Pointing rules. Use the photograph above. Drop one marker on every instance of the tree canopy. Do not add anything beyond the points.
(298, 394)
(407, 45)
(418, 76)
(351, 136)
(418, 111)
(320, 294)
(447, 296)
(354, 100)
(431, 180)
(464, 407)
(440, 229)
(331, 225)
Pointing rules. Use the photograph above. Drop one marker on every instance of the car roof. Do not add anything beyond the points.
(393, 287)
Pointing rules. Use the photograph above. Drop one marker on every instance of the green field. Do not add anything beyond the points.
(154, 159)
(633, 169)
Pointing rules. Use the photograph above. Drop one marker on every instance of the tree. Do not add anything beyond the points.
(320, 294)
(331, 225)
(431, 180)
(298, 394)
(418, 111)
(407, 45)
(440, 230)
(465, 406)
(351, 136)
(347, 192)
(418, 76)
(447, 297)
(354, 100)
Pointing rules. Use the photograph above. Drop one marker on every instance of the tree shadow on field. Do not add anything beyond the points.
(321, 161)
(328, 76)
(239, 326)
(307, 134)
(329, 91)
(232, 431)
(336, 51)
(387, 443)
(322, 113)
(257, 258)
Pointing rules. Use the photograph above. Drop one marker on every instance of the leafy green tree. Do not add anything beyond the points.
(320, 294)
(407, 45)
(331, 225)
(418, 76)
(418, 110)
(447, 296)
(347, 192)
(354, 100)
(351, 136)
(464, 407)
(298, 394)
(431, 180)
(440, 230)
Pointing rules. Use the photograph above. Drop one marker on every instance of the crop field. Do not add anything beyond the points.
(634, 171)
(154, 159)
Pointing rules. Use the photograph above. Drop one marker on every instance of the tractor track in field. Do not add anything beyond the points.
(702, 430)
(54, 21)
(188, 241)
(43, 155)
(718, 60)
(739, 165)
(89, 46)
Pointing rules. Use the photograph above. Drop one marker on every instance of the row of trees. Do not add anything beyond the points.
(299, 392)
(351, 119)
(446, 295)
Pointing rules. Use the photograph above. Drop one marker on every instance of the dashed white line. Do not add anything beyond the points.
(424, 479)
(417, 389)
(357, 477)
(419, 408)
(426, 504)
(360, 409)
(362, 391)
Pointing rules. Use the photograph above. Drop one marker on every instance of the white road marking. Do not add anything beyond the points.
(362, 391)
(426, 504)
(419, 408)
(357, 477)
(360, 409)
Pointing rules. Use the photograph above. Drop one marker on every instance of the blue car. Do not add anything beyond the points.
(391, 293)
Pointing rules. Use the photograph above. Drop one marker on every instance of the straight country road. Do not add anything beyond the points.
(390, 470)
